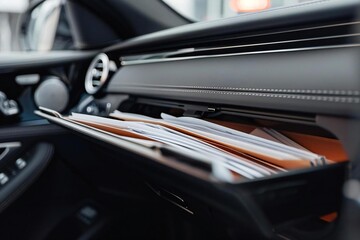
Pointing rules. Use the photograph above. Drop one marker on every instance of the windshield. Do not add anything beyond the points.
(203, 10)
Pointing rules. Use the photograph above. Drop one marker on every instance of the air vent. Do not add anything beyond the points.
(97, 73)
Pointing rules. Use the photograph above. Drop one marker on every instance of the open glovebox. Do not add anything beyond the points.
(293, 70)
(271, 205)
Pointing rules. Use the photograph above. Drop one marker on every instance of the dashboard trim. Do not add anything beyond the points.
(136, 62)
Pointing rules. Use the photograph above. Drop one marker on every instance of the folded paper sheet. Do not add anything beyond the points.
(282, 153)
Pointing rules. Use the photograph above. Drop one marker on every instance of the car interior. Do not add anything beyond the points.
(83, 153)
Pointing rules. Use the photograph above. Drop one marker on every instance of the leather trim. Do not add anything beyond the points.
(319, 81)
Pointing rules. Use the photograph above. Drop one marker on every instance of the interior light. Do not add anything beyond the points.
(250, 5)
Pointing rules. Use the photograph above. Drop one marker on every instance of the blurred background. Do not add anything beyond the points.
(10, 11)
(47, 26)
(203, 10)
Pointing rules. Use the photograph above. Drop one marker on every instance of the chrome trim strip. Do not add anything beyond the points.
(278, 42)
(137, 62)
(199, 50)
(295, 30)
(165, 54)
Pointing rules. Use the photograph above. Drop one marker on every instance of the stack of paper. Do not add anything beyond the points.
(263, 153)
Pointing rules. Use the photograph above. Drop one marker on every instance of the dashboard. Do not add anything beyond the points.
(294, 70)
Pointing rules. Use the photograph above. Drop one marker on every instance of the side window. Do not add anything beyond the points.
(33, 25)
(203, 10)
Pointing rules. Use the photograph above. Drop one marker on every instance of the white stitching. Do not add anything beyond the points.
(294, 91)
(350, 100)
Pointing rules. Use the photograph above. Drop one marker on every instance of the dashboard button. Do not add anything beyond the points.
(3, 179)
(20, 163)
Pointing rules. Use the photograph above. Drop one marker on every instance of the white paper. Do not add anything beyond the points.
(233, 135)
(176, 139)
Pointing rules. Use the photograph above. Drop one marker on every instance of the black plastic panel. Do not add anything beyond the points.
(11, 62)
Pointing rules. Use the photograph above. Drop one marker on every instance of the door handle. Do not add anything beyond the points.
(8, 148)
